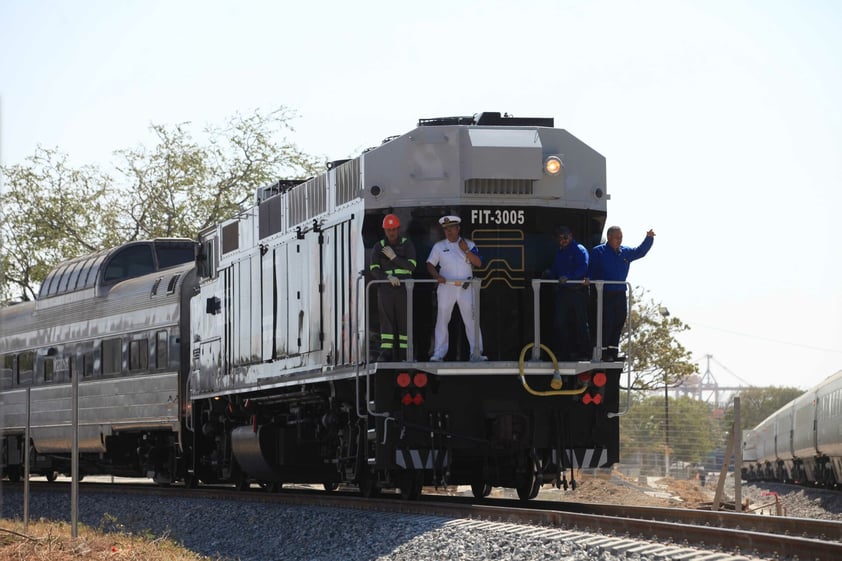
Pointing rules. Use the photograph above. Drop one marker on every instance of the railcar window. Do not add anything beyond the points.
(139, 354)
(112, 356)
(230, 237)
(88, 364)
(96, 263)
(49, 369)
(74, 275)
(161, 350)
(130, 262)
(56, 282)
(170, 256)
(8, 370)
(26, 367)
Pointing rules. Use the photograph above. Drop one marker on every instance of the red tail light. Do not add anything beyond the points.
(584, 376)
(599, 379)
(406, 399)
(420, 380)
(404, 379)
(418, 399)
(586, 399)
(597, 399)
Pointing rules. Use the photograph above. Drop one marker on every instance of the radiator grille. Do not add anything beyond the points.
(498, 187)
(316, 196)
(348, 181)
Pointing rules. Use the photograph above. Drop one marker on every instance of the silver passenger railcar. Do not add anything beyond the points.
(802, 441)
(114, 320)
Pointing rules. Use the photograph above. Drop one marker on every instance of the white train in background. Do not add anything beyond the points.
(801, 442)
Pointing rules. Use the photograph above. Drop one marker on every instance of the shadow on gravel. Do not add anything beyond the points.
(233, 530)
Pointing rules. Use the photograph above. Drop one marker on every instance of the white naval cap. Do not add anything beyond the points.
(450, 221)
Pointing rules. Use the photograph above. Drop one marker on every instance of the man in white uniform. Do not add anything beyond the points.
(455, 258)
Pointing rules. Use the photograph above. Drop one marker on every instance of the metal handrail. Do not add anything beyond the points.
(410, 328)
(597, 350)
(410, 283)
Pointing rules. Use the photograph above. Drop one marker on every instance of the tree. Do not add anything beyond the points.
(694, 432)
(758, 403)
(52, 211)
(658, 359)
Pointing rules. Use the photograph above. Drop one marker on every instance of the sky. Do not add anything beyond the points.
(719, 121)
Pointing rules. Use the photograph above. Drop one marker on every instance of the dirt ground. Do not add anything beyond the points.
(616, 488)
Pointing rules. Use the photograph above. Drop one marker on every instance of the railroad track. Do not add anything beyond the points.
(742, 534)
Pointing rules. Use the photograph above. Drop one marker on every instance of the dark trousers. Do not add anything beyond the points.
(613, 319)
(391, 303)
(571, 324)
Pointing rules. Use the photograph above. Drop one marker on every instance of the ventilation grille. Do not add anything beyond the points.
(316, 196)
(348, 181)
(498, 187)
(297, 204)
(308, 200)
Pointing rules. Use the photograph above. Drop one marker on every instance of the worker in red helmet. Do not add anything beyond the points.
(392, 259)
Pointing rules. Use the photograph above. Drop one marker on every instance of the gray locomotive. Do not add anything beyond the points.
(801, 442)
(247, 356)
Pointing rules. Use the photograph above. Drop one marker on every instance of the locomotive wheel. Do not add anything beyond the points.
(529, 484)
(191, 481)
(14, 474)
(331, 486)
(271, 486)
(368, 485)
(242, 483)
(51, 475)
(480, 489)
(410, 483)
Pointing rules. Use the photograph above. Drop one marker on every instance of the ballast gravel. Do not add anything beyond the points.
(233, 530)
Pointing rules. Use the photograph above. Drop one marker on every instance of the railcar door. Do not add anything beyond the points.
(337, 281)
(298, 274)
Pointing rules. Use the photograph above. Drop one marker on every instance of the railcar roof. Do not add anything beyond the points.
(109, 266)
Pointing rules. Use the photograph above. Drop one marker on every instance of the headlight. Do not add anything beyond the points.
(552, 165)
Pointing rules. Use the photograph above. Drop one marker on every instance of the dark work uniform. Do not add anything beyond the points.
(571, 303)
(610, 265)
(391, 300)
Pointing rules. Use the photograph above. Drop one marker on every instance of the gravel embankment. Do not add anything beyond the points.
(233, 530)
(261, 532)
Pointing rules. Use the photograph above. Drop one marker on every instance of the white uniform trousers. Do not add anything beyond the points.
(448, 295)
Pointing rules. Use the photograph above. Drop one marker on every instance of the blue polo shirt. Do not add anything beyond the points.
(607, 264)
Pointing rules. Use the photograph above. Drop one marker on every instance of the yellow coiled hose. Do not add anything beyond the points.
(556, 381)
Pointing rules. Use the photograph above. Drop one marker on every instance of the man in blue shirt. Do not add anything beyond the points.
(610, 262)
(571, 299)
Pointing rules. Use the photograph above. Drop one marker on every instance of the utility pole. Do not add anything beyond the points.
(665, 313)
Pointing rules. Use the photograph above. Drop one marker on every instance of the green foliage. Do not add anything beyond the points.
(51, 211)
(694, 432)
(758, 403)
(658, 359)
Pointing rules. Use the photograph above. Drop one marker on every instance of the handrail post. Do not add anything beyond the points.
(410, 318)
(475, 299)
(536, 315)
(597, 351)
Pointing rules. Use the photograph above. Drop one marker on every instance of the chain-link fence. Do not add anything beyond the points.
(672, 435)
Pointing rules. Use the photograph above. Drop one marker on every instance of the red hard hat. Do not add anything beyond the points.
(391, 221)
